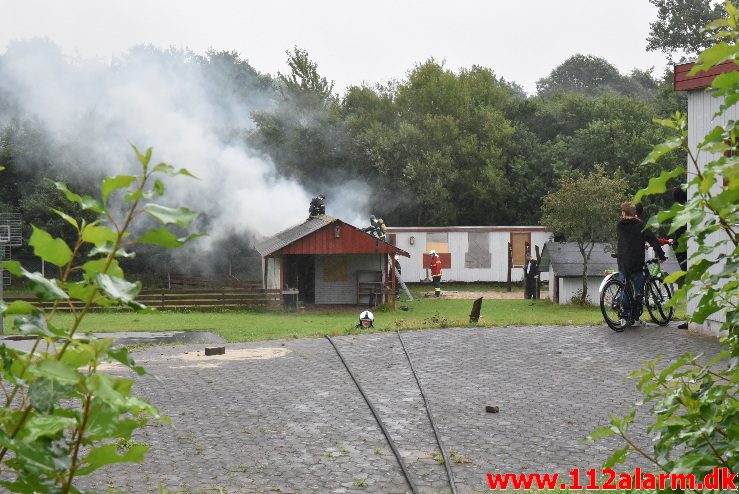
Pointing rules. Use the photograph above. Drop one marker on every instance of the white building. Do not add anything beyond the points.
(563, 261)
(468, 253)
(702, 108)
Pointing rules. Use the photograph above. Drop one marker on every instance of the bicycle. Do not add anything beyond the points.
(617, 298)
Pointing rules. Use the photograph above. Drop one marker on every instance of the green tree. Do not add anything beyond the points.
(301, 133)
(678, 31)
(442, 144)
(584, 210)
(581, 74)
(304, 77)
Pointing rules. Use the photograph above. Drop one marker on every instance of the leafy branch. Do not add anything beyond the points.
(52, 440)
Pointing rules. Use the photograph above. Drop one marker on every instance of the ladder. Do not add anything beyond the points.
(400, 282)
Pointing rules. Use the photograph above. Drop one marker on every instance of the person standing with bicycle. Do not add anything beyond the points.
(630, 252)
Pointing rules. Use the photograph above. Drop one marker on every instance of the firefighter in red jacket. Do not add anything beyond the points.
(436, 272)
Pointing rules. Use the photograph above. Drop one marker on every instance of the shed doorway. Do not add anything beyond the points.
(300, 273)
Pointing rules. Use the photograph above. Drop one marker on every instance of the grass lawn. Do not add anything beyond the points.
(423, 313)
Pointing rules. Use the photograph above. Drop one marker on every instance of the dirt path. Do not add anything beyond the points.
(464, 295)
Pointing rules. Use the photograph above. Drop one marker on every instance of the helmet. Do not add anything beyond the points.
(432, 252)
(366, 319)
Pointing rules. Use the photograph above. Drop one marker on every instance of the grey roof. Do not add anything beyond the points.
(566, 259)
(286, 237)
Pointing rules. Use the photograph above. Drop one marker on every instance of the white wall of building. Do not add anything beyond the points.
(568, 287)
(498, 238)
(701, 109)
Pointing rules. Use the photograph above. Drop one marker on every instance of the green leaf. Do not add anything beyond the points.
(53, 250)
(67, 218)
(99, 235)
(661, 149)
(158, 187)
(13, 267)
(716, 54)
(21, 307)
(113, 390)
(144, 159)
(658, 185)
(106, 423)
(600, 433)
(107, 248)
(46, 426)
(164, 238)
(86, 202)
(117, 288)
(120, 354)
(91, 268)
(170, 170)
(618, 456)
(57, 371)
(45, 289)
(36, 324)
(182, 217)
(80, 290)
(111, 184)
(77, 356)
(108, 454)
(672, 278)
(727, 80)
(45, 394)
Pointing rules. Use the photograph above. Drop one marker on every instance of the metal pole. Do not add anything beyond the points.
(2, 282)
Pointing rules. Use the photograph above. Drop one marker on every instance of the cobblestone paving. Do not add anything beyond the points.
(297, 423)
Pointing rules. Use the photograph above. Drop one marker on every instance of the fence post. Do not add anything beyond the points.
(510, 264)
(538, 279)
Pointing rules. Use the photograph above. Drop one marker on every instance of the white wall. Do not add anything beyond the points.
(701, 109)
(414, 271)
(273, 272)
(569, 286)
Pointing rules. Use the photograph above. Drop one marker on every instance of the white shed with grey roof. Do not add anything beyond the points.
(564, 263)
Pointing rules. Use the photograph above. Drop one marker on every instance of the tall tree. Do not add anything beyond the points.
(678, 31)
(584, 210)
(580, 73)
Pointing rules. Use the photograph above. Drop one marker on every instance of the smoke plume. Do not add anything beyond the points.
(192, 115)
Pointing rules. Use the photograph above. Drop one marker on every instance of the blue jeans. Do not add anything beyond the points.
(636, 280)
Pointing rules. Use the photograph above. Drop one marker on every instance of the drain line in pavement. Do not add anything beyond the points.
(390, 441)
(447, 463)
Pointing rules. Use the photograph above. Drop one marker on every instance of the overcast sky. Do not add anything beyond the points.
(352, 42)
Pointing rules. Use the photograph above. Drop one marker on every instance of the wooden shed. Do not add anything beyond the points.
(327, 261)
(468, 253)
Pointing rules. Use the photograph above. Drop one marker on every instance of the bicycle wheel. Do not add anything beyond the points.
(656, 296)
(611, 305)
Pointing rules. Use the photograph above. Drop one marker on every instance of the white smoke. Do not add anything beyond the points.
(93, 110)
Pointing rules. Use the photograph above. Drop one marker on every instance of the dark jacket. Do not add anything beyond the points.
(631, 238)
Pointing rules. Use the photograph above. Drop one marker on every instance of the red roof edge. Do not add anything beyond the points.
(683, 82)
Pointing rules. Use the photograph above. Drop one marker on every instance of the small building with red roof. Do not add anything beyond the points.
(327, 261)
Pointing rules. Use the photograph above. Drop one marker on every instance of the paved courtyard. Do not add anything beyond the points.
(284, 416)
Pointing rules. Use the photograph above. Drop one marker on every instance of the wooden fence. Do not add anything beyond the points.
(198, 299)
